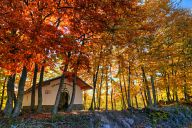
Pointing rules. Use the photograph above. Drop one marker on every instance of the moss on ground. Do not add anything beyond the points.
(75, 120)
(172, 116)
(158, 116)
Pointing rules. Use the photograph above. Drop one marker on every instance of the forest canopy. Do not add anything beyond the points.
(133, 53)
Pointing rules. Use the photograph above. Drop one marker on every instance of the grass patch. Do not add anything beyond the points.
(79, 120)
(157, 116)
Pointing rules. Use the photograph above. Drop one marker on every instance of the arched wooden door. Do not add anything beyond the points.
(63, 103)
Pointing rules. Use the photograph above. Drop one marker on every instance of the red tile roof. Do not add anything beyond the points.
(82, 84)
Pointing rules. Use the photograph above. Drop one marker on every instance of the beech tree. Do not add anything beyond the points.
(135, 54)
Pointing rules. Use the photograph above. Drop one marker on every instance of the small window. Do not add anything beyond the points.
(47, 91)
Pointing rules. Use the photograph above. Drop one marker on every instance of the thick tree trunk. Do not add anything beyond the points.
(147, 87)
(22, 81)
(75, 81)
(129, 87)
(33, 88)
(61, 87)
(3, 93)
(10, 90)
(40, 98)
(76, 68)
(100, 88)
(58, 97)
(154, 92)
(73, 93)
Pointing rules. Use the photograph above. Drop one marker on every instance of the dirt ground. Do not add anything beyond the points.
(165, 117)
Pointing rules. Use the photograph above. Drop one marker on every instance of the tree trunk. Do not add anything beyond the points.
(97, 88)
(100, 88)
(73, 93)
(136, 102)
(95, 84)
(111, 89)
(33, 88)
(154, 92)
(166, 79)
(173, 91)
(147, 87)
(75, 80)
(95, 76)
(22, 81)
(106, 105)
(122, 95)
(143, 99)
(115, 104)
(185, 92)
(129, 87)
(10, 90)
(176, 95)
(125, 88)
(58, 97)
(61, 86)
(145, 95)
(14, 98)
(85, 99)
(93, 96)
(3, 92)
(112, 100)
(40, 98)
(132, 103)
(175, 87)
(186, 95)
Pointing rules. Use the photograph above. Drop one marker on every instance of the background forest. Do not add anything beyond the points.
(133, 53)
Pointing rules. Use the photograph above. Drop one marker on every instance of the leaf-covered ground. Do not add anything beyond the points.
(165, 117)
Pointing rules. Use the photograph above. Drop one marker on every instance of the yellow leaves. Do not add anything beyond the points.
(8, 73)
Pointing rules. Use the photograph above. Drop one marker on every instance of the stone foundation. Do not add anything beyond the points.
(48, 108)
(77, 107)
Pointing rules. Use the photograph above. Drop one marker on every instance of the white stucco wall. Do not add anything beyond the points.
(52, 88)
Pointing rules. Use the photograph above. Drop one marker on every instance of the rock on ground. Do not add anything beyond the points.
(165, 117)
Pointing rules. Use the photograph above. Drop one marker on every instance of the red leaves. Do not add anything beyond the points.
(27, 37)
(39, 31)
